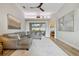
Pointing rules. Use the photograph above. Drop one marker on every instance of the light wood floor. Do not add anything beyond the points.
(20, 53)
(8, 52)
(66, 48)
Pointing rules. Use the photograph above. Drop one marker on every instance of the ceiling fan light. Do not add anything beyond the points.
(37, 16)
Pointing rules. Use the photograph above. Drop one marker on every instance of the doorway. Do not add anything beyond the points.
(37, 30)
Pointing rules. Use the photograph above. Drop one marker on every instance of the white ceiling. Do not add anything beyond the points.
(48, 7)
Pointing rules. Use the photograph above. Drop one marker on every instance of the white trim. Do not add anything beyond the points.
(69, 44)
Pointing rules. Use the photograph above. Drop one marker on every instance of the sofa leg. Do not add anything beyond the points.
(27, 49)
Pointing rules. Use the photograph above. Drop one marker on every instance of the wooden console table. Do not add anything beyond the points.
(52, 34)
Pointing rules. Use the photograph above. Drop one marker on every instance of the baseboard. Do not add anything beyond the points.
(70, 44)
(67, 48)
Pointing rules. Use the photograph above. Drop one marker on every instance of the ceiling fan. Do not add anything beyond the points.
(39, 6)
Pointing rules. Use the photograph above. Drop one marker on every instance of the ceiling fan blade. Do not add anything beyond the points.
(24, 7)
(42, 9)
(40, 5)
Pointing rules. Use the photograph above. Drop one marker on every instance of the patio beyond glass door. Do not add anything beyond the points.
(37, 30)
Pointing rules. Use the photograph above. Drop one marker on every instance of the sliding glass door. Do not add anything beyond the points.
(37, 29)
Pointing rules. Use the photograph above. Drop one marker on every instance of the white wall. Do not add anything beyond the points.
(71, 38)
(52, 26)
(46, 27)
(9, 9)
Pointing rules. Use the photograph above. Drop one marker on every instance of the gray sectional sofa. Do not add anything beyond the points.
(18, 41)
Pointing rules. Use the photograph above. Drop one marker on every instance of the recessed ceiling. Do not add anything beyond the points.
(49, 8)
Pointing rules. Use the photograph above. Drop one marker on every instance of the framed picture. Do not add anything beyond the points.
(13, 22)
(61, 24)
(66, 23)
